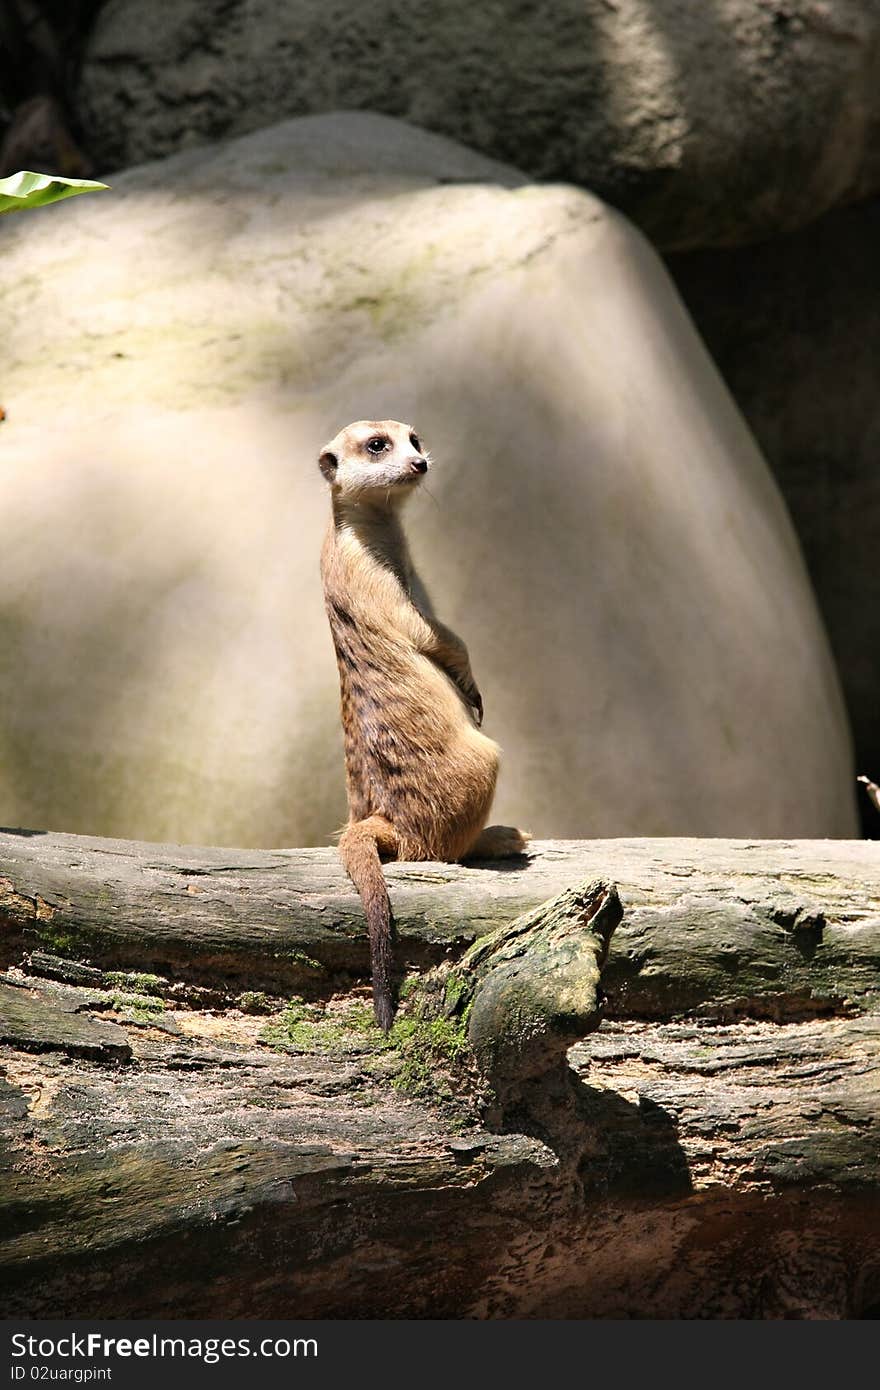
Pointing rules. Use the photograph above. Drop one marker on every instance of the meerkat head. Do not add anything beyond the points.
(378, 461)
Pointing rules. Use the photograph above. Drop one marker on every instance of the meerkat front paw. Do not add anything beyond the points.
(473, 698)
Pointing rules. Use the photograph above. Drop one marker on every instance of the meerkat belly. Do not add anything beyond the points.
(413, 753)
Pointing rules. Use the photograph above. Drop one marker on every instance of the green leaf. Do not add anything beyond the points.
(27, 190)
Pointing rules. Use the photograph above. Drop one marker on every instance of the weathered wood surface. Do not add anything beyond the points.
(713, 1150)
(531, 989)
(720, 923)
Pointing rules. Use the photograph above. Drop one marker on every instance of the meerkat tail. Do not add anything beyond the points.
(359, 850)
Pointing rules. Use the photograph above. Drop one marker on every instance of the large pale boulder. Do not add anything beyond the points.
(599, 525)
(708, 123)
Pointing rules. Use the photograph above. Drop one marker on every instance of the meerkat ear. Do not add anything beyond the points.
(328, 464)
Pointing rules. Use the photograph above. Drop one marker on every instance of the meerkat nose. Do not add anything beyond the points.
(418, 465)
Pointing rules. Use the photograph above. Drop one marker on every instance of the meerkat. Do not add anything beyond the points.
(420, 776)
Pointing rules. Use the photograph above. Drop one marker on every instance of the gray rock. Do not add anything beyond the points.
(706, 124)
(599, 525)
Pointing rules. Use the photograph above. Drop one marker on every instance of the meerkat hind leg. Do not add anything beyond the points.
(375, 829)
(499, 842)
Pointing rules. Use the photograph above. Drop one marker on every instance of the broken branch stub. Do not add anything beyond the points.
(872, 789)
(531, 989)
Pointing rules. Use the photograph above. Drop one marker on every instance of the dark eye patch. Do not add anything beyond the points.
(377, 445)
(414, 441)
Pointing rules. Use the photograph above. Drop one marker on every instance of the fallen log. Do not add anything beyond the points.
(181, 1138)
(790, 926)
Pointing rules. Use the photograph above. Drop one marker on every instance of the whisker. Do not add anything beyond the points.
(425, 488)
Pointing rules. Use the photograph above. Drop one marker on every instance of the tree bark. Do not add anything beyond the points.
(179, 1139)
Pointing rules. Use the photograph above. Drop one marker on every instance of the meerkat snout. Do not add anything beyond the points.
(419, 465)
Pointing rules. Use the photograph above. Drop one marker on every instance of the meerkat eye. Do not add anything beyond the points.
(414, 441)
(377, 445)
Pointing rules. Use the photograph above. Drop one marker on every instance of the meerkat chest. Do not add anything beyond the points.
(371, 649)
(368, 603)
